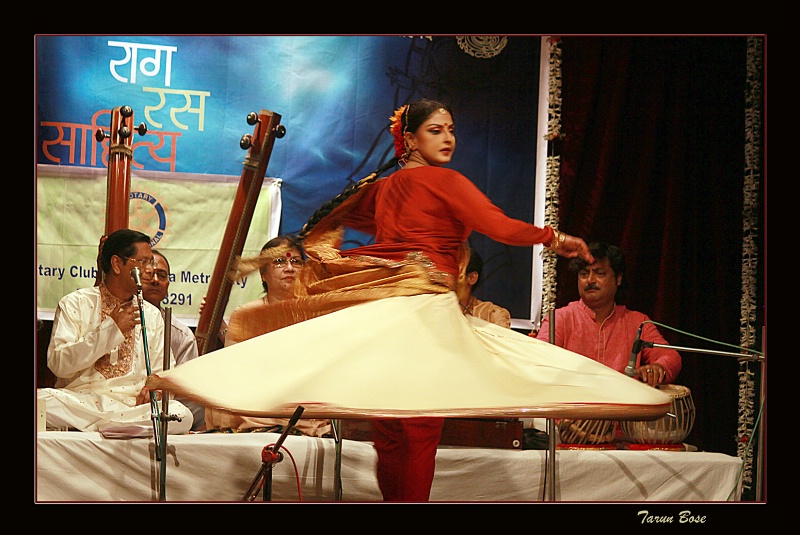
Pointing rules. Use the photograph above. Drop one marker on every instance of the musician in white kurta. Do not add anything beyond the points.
(97, 350)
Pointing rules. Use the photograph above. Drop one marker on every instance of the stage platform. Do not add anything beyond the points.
(217, 467)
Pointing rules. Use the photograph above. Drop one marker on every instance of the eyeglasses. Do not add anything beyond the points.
(281, 262)
(161, 274)
(149, 264)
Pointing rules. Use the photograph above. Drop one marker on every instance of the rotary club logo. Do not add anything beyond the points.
(148, 215)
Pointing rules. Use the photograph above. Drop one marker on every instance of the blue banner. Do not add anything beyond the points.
(335, 95)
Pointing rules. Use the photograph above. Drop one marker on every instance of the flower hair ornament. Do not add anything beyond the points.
(401, 151)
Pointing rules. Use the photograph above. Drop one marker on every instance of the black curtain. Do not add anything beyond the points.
(653, 160)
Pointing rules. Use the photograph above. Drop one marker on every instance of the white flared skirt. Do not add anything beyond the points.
(408, 356)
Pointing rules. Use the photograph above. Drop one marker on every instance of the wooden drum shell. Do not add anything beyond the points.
(586, 432)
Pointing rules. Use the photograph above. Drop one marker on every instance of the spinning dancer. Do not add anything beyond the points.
(385, 335)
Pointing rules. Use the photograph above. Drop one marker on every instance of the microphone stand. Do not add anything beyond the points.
(337, 466)
(751, 356)
(741, 356)
(552, 429)
(162, 456)
(269, 458)
(154, 412)
(160, 419)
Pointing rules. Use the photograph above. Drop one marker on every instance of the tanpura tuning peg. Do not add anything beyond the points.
(280, 131)
(245, 142)
(126, 111)
(99, 135)
(142, 129)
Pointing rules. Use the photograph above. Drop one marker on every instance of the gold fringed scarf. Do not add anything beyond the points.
(326, 286)
(330, 282)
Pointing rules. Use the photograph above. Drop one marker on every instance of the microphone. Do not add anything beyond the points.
(630, 369)
(136, 274)
(137, 278)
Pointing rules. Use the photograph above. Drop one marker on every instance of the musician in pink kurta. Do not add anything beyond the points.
(597, 327)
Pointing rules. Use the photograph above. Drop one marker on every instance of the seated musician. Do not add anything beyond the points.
(182, 340)
(468, 280)
(597, 327)
(97, 351)
(280, 263)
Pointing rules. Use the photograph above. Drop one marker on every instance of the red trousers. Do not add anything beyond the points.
(406, 457)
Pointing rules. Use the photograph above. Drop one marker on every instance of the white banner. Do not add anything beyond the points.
(184, 214)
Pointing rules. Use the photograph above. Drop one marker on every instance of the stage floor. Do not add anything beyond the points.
(214, 467)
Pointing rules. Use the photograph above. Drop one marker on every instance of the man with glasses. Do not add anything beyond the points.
(98, 352)
(184, 344)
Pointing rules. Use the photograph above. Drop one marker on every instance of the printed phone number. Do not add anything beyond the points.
(177, 299)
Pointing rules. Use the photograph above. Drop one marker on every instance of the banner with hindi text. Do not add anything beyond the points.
(335, 95)
(185, 216)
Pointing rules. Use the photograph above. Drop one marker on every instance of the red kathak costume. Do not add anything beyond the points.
(432, 210)
(405, 356)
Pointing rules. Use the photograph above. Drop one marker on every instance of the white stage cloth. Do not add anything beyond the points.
(86, 467)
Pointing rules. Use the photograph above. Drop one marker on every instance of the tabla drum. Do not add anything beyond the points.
(586, 432)
(672, 428)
